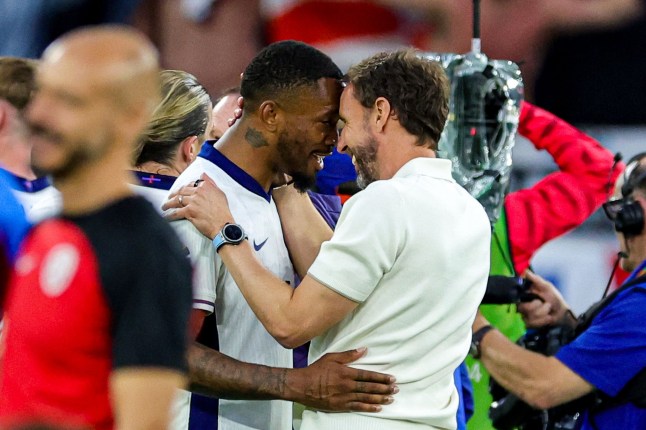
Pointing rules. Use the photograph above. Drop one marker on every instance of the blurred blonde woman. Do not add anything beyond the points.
(174, 135)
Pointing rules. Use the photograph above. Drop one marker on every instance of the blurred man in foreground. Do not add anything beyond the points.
(96, 321)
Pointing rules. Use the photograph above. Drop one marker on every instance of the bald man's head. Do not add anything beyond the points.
(97, 89)
(118, 59)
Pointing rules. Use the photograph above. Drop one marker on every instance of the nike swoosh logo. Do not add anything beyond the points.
(257, 246)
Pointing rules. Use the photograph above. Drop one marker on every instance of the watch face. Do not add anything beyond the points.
(473, 350)
(232, 232)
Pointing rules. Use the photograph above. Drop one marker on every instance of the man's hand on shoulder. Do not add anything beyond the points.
(202, 203)
(330, 385)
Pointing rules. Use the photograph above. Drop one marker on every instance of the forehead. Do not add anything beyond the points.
(222, 111)
(621, 179)
(349, 103)
(318, 99)
(224, 108)
(69, 76)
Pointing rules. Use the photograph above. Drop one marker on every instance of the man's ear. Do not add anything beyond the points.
(189, 148)
(270, 115)
(382, 112)
(4, 114)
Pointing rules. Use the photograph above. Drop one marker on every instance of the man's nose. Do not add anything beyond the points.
(340, 145)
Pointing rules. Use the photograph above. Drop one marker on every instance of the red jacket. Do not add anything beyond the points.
(562, 200)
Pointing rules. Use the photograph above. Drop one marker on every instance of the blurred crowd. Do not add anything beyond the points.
(580, 59)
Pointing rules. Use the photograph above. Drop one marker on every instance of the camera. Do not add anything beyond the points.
(502, 290)
(508, 412)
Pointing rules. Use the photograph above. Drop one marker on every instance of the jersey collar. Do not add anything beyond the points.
(149, 180)
(19, 183)
(236, 173)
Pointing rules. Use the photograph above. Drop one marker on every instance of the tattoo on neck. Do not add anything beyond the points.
(255, 138)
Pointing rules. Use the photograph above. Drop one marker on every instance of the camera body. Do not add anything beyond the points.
(509, 412)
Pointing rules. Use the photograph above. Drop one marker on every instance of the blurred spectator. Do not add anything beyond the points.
(27, 27)
(516, 30)
(96, 323)
(223, 109)
(13, 228)
(173, 137)
(17, 86)
(215, 47)
(348, 31)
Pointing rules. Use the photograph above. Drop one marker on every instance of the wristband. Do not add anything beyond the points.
(476, 340)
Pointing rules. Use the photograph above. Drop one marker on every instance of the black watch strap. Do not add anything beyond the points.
(476, 339)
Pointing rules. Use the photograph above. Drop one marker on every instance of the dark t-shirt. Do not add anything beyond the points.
(90, 294)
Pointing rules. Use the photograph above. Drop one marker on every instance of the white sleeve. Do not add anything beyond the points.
(205, 261)
(364, 246)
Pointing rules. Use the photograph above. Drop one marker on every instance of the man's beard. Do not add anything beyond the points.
(302, 180)
(366, 162)
(37, 171)
(81, 154)
(73, 162)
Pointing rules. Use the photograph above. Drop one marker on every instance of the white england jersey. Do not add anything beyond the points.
(240, 334)
(39, 198)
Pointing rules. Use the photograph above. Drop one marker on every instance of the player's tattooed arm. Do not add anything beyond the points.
(328, 384)
(215, 374)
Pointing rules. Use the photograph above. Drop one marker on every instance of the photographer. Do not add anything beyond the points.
(610, 349)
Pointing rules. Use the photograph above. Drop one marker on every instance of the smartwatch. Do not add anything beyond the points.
(476, 339)
(231, 234)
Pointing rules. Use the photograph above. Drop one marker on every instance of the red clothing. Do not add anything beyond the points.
(316, 22)
(89, 295)
(320, 22)
(562, 200)
(63, 362)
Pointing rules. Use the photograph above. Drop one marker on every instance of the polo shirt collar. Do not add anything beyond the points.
(436, 167)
